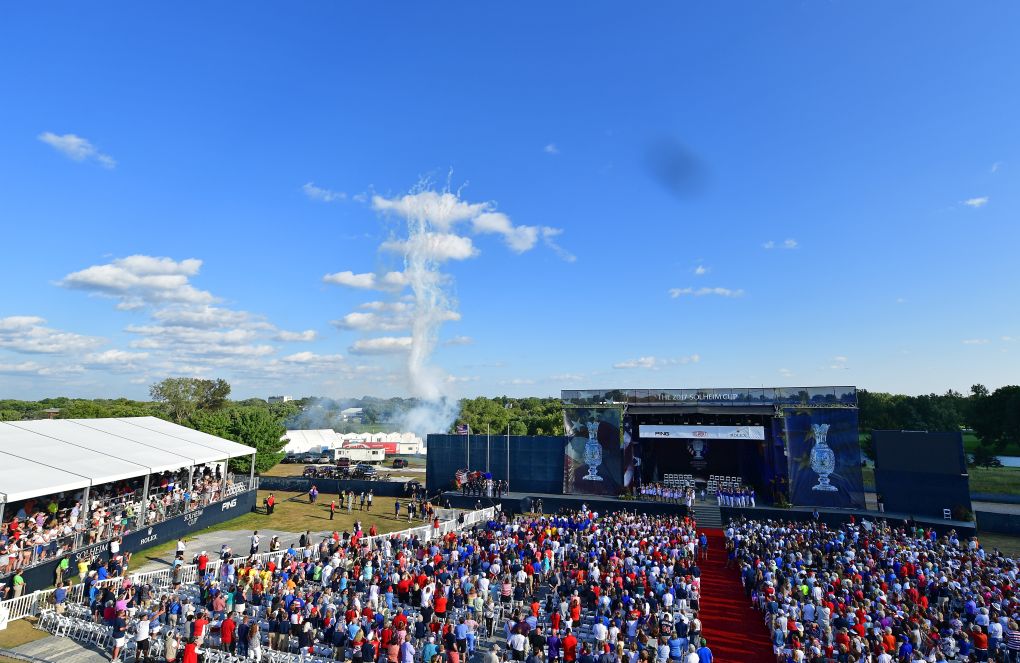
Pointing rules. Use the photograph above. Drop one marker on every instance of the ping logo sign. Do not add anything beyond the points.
(229, 505)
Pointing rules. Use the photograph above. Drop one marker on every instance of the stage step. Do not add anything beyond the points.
(707, 515)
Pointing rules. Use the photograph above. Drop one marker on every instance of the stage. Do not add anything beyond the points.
(519, 502)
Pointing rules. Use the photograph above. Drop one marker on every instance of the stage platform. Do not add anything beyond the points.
(515, 502)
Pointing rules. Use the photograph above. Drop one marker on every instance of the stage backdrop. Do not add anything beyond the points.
(598, 458)
(825, 457)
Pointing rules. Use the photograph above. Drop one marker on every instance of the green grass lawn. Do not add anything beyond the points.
(19, 632)
(293, 513)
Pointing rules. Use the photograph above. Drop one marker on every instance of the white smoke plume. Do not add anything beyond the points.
(437, 226)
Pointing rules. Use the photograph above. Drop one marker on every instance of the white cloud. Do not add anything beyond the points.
(27, 335)
(381, 345)
(548, 238)
(975, 341)
(306, 336)
(442, 210)
(321, 194)
(20, 368)
(839, 358)
(1007, 339)
(977, 202)
(518, 381)
(200, 316)
(700, 270)
(788, 244)
(368, 280)
(567, 377)
(551, 149)
(518, 238)
(138, 280)
(995, 167)
(459, 340)
(785, 372)
(703, 292)
(839, 363)
(311, 358)
(655, 363)
(371, 321)
(438, 247)
(77, 148)
(901, 300)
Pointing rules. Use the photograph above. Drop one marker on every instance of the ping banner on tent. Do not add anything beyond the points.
(702, 432)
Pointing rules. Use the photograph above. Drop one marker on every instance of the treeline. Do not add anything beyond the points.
(994, 417)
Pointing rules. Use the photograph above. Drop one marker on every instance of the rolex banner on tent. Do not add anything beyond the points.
(824, 457)
(595, 456)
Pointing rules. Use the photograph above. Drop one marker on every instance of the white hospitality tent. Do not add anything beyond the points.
(57, 455)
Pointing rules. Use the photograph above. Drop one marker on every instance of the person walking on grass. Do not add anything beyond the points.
(332, 508)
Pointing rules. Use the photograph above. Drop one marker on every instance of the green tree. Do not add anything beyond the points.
(182, 397)
(257, 428)
(996, 417)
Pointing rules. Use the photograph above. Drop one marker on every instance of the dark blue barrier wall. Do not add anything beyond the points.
(1000, 523)
(42, 576)
(536, 461)
(332, 486)
(839, 517)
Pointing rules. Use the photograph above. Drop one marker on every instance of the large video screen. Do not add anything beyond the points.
(824, 457)
(918, 451)
(597, 456)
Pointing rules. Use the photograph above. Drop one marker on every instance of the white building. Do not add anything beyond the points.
(280, 399)
(324, 439)
(352, 414)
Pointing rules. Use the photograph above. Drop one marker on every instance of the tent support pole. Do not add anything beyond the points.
(145, 503)
(251, 477)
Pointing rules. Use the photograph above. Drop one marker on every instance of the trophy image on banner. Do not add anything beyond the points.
(592, 452)
(823, 458)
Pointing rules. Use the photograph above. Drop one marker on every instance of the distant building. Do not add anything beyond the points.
(280, 399)
(352, 414)
(324, 439)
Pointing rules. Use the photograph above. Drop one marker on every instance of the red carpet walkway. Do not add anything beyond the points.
(734, 630)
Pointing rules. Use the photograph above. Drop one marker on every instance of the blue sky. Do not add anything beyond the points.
(177, 181)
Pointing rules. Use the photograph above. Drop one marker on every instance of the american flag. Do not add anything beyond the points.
(461, 477)
(462, 429)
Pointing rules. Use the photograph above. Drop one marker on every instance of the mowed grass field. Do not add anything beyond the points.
(294, 513)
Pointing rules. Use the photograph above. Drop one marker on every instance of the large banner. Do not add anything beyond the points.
(595, 459)
(825, 457)
(662, 431)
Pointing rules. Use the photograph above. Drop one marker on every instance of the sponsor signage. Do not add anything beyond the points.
(148, 538)
(702, 432)
(229, 505)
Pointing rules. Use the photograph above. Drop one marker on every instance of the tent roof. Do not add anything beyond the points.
(55, 455)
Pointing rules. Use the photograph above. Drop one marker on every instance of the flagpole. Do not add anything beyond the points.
(508, 457)
(488, 439)
(469, 449)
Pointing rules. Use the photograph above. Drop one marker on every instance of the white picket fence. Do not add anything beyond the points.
(32, 604)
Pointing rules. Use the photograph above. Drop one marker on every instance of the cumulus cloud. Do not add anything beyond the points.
(567, 377)
(440, 209)
(459, 340)
(518, 238)
(437, 247)
(381, 345)
(655, 363)
(367, 280)
(28, 335)
(311, 358)
(77, 148)
(321, 194)
(704, 292)
(976, 203)
(785, 372)
(305, 336)
(700, 270)
(551, 149)
(785, 244)
(139, 280)
(975, 341)
(453, 379)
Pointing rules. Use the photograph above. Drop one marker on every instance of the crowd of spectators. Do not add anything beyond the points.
(872, 592)
(577, 588)
(39, 529)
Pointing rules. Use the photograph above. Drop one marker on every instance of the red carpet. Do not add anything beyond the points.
(734, 630)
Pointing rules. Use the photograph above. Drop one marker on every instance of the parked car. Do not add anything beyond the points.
(399, 462)
(365, 471)
(309, 471)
